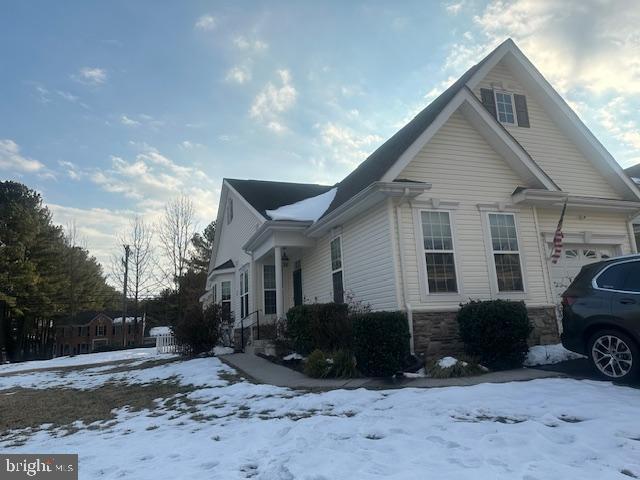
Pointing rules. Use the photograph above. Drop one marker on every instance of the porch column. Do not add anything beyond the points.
(278, 266)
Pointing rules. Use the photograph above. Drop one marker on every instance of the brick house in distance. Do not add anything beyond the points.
(91, 331)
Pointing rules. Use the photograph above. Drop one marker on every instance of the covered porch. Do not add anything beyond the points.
(272, 282)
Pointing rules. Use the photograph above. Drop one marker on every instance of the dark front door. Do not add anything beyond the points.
(297, 287)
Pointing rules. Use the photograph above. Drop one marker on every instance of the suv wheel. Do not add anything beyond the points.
(614, 355)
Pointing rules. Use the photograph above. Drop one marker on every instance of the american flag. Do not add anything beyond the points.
(557, 238)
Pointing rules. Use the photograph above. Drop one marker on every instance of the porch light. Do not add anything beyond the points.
(285, 258)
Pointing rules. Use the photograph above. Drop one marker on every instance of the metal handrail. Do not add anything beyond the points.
(242, 327)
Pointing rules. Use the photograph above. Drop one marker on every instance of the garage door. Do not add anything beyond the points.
(573, 258)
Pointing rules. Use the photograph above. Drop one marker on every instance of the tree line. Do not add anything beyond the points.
(47, 277)
(44, 275)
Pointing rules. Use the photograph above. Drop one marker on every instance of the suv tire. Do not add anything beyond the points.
(614, 355)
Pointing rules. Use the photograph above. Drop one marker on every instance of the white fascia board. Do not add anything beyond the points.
(492, 131)
(559, 110)
(269, 228)
(373, 194)
(219, 221)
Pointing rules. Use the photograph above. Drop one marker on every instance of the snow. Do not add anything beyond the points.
(542, 429)
(293, 356)
(636, 180)
(310, 209)
(85, 359)
(448, 362)
(118, 320)
(549, 354)
(219, 350)
(155, 331)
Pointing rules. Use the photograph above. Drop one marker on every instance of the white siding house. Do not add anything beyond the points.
(462, 203)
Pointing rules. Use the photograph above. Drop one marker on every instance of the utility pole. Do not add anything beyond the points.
(124, 295)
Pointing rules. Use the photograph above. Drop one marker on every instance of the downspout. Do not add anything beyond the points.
(632, 237)
(403, 273)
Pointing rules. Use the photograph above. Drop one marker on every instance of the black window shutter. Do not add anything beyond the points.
(488, 101)
(521, 110)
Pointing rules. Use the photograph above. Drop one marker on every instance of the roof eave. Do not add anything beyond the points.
(371, 195)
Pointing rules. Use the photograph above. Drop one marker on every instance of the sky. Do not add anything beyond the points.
(109, 109)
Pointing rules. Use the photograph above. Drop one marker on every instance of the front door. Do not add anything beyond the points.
(297, 287)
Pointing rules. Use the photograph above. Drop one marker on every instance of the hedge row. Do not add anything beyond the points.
(378, 340)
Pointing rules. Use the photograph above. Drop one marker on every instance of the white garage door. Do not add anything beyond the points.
(573, 258)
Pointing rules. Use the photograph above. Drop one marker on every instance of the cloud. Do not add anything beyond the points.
(454, 7)
(12, 159)
(239, 74)
(189, 145)
(553, 35)
(206, 22)
(140, 119)
(91, 76)
(69, 97)
(128, 121)
(346, 146)
(274, 100)
(255, 46)
(71, 169)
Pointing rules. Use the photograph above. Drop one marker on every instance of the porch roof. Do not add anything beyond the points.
(532, 196)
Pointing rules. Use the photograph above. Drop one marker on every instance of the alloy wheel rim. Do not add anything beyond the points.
(612, 356)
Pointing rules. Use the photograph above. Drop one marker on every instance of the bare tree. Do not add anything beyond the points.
(141, 281)
(175, 230)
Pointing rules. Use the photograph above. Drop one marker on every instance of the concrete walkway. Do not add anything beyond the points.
(264, 371)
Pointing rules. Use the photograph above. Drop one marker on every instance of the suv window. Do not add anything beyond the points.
(618, 277)
(632, 283)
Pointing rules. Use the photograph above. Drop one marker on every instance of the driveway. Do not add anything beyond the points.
(580, 369)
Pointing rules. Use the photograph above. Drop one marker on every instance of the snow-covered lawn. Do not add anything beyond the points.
(228, 428)
(88, 359)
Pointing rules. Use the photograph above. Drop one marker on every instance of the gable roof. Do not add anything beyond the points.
(82, 318)
(634, 173)
(225, 265)
(265, 195)
(380, 161)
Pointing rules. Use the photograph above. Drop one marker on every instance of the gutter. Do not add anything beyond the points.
(391, 189)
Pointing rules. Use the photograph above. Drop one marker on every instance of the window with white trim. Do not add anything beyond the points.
(225, 297)
(506, 252)
(504, 107)
(439, 252)
(244, 294)
(336, 270)
(214, 293)
(269, 284)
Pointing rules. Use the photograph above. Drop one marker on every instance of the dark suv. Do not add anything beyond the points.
(601, 316)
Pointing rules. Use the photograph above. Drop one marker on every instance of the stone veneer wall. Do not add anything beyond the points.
(435, 334)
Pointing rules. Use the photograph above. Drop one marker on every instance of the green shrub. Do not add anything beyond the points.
(463, 368)
(380, 342)
(495, 332)
(344, 365)
(198, 331)
(324, 326)
(317, 365)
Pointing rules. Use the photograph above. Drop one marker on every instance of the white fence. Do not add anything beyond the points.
(166, 343)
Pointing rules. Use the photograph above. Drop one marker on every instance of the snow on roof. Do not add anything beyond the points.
(636, 180)
(155, 331)
(129, 319)
(310, 209)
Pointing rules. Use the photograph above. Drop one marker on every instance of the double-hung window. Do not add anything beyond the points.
(336, 270)
(504, 108)
(244, 294)
(225, 297)
(269, 281)
(439, 252)
(506, 252)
